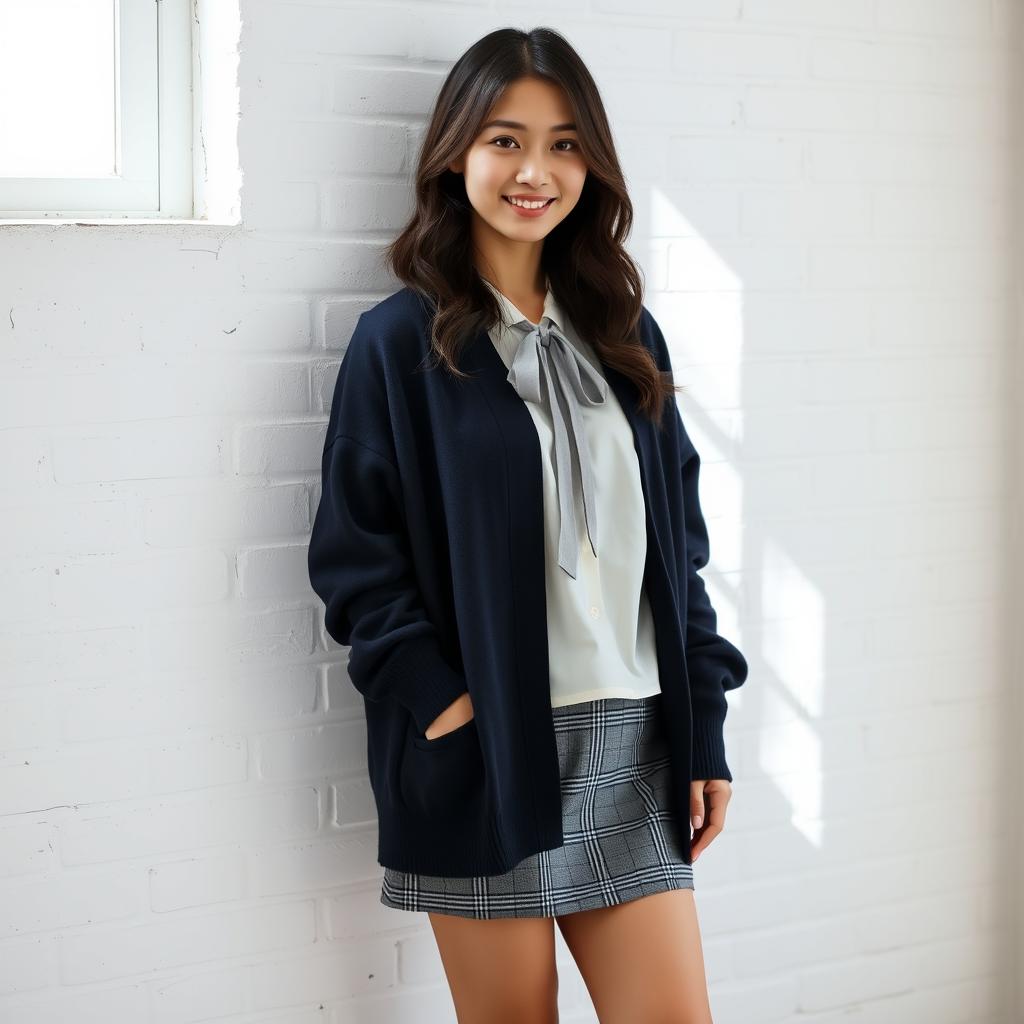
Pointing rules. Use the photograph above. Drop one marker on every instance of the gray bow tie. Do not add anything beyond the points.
(545, 352)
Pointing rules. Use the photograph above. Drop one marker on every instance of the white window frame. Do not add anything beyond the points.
(154, 130)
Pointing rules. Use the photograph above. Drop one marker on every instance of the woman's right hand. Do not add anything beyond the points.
(457, 713)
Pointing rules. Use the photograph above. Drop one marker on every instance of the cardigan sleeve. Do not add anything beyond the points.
(359, 559)
(714, 665)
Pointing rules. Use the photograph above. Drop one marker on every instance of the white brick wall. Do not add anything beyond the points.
(823, 207)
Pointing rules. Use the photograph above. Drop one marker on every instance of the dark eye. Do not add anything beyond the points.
(572, 143)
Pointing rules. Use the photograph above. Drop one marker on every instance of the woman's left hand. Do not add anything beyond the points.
(708, 801)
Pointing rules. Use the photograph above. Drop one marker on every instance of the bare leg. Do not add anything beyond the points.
(642, 961)
(500, 971)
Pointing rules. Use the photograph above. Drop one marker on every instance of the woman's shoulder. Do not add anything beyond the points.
(652, 337)
(404, 310)
(392, 331)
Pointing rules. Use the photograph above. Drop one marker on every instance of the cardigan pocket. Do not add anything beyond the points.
(439, 777)
(452, 734)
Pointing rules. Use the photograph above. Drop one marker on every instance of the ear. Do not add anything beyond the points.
(456, 167)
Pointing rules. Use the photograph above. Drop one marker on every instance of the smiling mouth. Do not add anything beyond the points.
(548, 203)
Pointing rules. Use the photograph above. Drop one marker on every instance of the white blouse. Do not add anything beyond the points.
(600, 628)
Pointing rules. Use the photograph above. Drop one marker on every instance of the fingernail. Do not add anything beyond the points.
(697, 819)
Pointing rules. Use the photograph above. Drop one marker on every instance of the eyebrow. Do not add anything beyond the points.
(567, 127)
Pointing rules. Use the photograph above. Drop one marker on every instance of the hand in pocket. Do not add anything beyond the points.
(457, 713)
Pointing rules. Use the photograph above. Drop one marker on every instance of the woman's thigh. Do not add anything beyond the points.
(499, 970)
(642, 961)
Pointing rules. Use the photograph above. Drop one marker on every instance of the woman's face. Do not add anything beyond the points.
(533, 152)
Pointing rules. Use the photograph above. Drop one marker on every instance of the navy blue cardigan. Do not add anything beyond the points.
(427, 550)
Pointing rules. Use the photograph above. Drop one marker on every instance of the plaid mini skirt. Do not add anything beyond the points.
(622, 838)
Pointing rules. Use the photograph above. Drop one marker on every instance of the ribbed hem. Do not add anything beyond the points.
(454, 849)
(420, 678)
(458, 849)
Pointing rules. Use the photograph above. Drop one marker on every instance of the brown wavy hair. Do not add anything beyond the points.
(590, 273)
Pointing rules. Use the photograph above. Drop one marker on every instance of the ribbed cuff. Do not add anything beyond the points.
(419, 677)
(708, 757)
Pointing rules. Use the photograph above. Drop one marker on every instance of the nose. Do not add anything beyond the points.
(532, 170)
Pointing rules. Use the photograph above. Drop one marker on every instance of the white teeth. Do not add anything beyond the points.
(528, 204)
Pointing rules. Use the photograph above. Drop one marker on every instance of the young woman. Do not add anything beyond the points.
(508, 539)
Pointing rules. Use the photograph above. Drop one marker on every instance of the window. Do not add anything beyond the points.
(98, 114)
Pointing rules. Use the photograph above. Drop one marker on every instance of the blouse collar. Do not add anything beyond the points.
(511, 314)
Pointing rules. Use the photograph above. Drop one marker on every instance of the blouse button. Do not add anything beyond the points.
(594, 611)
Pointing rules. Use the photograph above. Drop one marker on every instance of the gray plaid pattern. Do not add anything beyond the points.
(622, 840)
